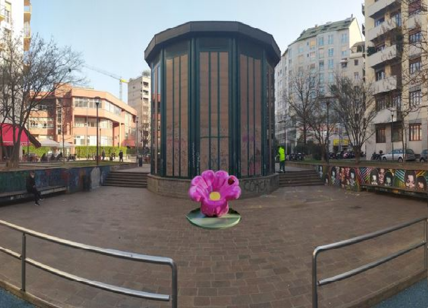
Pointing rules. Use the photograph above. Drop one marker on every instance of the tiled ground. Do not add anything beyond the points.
(265, 261)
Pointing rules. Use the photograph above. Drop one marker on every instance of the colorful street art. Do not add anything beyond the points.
(352, 178)
(75, 179)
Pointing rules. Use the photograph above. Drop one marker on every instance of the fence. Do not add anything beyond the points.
(108, 252)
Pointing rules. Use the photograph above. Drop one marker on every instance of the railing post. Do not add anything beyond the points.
(23, 261)
(174, 285)
(426, 245)
(314, 280)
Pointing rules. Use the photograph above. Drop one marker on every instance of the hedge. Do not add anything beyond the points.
(83, 151)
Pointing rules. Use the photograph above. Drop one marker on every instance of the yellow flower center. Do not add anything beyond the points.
(215, 196)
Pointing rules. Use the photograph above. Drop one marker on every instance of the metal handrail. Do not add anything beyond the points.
(108, 252)
(358, 270)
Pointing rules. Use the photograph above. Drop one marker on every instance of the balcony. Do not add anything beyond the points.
(363, 9)
(381, 29)
(27, 13)
(379, 57)
(363, 29)
(379, 6)
(27, 36)
(414, 21)
(385, 85)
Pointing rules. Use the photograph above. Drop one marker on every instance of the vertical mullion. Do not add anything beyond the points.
(179, 117)
(248, 116)
(209, 110)
(254, 115)
(218, 111)
(173, 114)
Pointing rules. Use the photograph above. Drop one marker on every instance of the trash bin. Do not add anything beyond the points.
(140, 161)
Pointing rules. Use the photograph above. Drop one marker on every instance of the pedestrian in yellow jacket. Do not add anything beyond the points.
(281, 153)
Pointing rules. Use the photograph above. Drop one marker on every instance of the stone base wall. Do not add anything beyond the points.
(178, 188)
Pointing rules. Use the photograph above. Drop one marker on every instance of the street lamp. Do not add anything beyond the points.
(285, 138)
(328, 131)
(136, 136)
(97, 103)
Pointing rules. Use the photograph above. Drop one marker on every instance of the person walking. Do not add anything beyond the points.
(281, 153)
(31, 188)
(121, 156)
(103, 154)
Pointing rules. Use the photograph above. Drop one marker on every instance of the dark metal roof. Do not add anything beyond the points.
(197, 28)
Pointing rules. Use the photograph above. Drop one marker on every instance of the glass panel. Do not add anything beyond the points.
(184, 117)
(251, 133)
(204, 110)
(169, 117)
(214, 119)
(258, 112)
(176, 145)
(244, 115)
(224, 111)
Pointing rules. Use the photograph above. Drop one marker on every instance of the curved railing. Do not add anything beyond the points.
(108, 252)
(318, 283)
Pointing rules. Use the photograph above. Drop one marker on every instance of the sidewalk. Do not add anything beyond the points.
(264, 261)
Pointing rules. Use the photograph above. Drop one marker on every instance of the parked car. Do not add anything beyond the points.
(424, 156)
(399, 155)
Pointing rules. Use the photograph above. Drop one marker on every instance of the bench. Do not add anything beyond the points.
(14, 196)
(395, 190)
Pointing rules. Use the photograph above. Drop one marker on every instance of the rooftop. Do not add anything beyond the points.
(327, 27)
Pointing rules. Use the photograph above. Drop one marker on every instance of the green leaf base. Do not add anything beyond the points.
(198, 219)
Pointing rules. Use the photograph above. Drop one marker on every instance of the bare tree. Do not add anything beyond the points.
(304, 88)
(27, 78)
(354, 106)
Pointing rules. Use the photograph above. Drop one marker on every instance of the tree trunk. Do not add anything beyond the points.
(357, 151)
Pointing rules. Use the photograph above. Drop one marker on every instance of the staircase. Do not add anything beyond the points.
(126, 179)
(299, 178)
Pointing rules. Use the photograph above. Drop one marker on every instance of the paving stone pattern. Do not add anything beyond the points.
(264, 261)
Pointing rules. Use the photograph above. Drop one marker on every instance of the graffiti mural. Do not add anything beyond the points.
(352, 178)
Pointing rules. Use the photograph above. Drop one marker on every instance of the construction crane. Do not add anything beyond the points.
(121, 80)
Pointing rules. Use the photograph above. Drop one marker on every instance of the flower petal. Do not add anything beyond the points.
(199, 181)
(198, 193)
(208, 176)
(220, 178)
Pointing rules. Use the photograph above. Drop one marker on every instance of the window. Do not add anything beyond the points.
(380, 134)
(380, 47)
(312, 55)
(415, 132)
(396, 101)
(321, 64)
(300, 59)
(321, 53)
(321, 41)
(312, 44)
(79, 122)
(330, 63)
(397, 18)
(300, 49)
(397, 133)
(79, 140)
(356, 76)
(415, 37)
(41, 123)
(415, 65)
(331, 52)
(344, 38)
(415, 98)
(330, 78)
(7, 12)
(380, 74)
(379, 21)
(321, 76)
(330, 39)
(380, 103)
(356, 62)
(344, 52)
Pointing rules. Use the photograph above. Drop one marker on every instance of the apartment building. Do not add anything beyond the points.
(394, 33)
(139, 99)
(334, 48)
(70, 114)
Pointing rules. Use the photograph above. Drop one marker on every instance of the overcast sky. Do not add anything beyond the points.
(112, 35)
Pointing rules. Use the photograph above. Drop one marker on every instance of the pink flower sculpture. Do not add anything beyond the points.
(213, 190)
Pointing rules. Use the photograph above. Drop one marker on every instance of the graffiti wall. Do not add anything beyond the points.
(75, 179)
(352, 178)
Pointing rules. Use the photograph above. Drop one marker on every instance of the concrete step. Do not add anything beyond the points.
(301, 184)
(124, 185)
(126, 179)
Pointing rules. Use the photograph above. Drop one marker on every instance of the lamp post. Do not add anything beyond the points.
(97, 103)
(136, 136)
(285, 129)
(62, 125)
(328, 131)
(392, 129)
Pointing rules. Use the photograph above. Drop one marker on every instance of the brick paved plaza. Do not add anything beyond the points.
(265, 261)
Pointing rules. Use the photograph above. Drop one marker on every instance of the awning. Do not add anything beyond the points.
(7, 131)
(49, 143)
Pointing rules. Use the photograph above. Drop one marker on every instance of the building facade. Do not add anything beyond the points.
(139, 99)
(395, 33)
(324, 51)
(70, 115)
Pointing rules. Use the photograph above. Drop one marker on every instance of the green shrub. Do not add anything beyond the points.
(83, 151)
